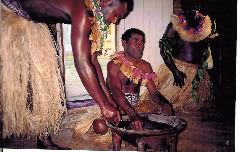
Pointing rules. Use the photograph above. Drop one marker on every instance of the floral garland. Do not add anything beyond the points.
(190, 34)
(130, 71)
(99, 29)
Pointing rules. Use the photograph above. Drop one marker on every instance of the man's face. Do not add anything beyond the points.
(135, 46)
(114, 11)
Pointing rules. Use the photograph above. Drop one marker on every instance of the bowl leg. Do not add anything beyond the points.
(141, 143)
(116, 142)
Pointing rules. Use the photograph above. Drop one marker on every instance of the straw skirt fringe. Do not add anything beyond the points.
(181, 98)
(31, 89)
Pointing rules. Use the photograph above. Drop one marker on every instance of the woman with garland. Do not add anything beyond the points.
(183, 79)
(31, 91)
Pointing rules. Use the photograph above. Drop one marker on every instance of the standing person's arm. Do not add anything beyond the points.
(165, 45)
(114, 83)
(101, 78)
(82, 58)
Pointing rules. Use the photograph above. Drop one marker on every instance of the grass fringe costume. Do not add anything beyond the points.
(197, 90)
(31, 88)
(181, 98)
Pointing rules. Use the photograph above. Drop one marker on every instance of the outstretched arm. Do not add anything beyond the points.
(165, 44)
(114, 83)
(82, 59)
(156, 96)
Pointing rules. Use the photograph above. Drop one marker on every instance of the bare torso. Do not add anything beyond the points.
(190, 52)
(129, 86)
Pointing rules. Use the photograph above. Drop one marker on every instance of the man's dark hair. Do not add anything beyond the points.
(128, 33)
(130, 4)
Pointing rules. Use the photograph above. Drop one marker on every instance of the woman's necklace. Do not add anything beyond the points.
(99, 29)
(191, 34)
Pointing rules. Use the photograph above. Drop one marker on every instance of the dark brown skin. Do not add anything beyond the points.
(190, 52)
(120, 84)
(74, 12)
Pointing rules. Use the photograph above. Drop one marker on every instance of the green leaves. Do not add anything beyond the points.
(165, 45)
(199, 75)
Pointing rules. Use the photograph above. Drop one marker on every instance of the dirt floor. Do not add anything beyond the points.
(207, 131)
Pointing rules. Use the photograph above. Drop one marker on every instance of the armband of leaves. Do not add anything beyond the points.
(166, 45)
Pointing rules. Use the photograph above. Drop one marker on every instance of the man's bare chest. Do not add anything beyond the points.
(127, 85)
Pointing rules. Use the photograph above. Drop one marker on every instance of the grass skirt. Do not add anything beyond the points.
(31, 89)
(181, 98)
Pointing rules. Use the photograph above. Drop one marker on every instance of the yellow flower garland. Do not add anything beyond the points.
(186, 35)
(130, 71)
(99, 29)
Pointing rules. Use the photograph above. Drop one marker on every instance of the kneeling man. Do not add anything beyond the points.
(126, 73)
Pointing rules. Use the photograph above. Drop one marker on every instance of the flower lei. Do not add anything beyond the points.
(99, 29)
(130, 71)
(190, 34)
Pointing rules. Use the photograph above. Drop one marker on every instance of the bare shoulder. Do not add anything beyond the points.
(145, 66)
(169, 30)
(113, 69)
(81, 23)
(77, 7)
(111, 65)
